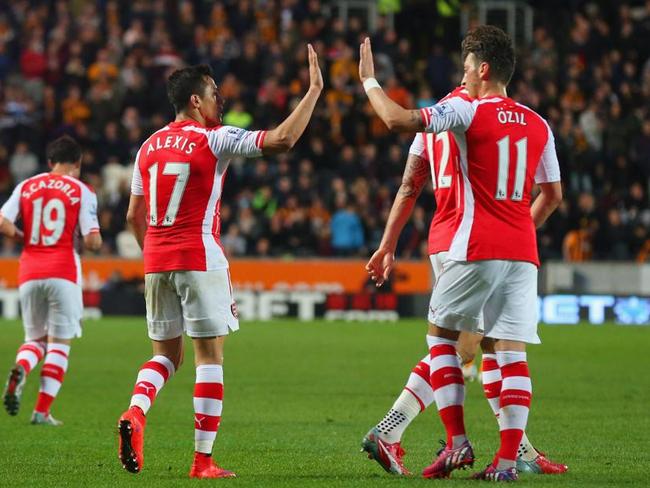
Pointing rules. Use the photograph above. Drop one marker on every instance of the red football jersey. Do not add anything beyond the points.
(504, 148)
(180, 170)
(52, 208)
(441, 151)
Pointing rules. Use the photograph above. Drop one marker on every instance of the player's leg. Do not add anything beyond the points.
(64, 310)
(208, 402)
(165, 327)
(53, 372)
(529, 459)
(383, 441)
(456, 305)
(210, 314)
(511, 319)
(467, 347)
(33, 305)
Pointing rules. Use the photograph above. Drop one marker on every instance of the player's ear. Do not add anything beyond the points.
(195, 101)
(484, 71)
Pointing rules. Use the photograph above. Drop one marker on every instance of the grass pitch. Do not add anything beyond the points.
(300, 396)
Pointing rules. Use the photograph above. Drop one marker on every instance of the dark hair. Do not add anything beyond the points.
(185, 82)
(493, 46)
(63, 150)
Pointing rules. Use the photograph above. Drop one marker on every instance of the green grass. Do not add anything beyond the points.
(300, 396)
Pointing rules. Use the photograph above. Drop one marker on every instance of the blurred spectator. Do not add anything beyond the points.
(97, 71)
(23, 163)
(346, 229)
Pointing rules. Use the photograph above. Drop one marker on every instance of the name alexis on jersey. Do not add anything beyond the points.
(181, 143)
(508, 117)
(64, 187)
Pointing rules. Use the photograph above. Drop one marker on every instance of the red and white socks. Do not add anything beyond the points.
(151, 378)
(491, 379)
(30, 354)
(416, 396)
(514, 401)
(448, 388)
(208, 398)
(52, 374)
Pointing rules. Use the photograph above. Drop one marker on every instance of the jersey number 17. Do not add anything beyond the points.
(182, 173)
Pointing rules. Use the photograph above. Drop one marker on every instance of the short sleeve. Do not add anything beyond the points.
(11, 207)
(454, 113)
(417, 146)
(136, 179)
(228, 141)
(88, 222)
(548, 169)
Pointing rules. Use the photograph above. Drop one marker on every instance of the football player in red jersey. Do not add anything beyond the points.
(176, 192)
(53, 207)
(433, 157)
(491, 268)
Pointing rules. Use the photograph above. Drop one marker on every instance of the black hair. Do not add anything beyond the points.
(493, 46)
(185, 82)
(63, 150)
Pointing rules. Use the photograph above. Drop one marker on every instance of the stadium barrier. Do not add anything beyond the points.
(340, 290)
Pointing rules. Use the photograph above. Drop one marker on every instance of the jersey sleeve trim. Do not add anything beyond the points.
(259, 140)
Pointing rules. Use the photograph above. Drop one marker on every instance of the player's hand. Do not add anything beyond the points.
(315, 76)
(19, 236)
(380, 265)
(366, 64)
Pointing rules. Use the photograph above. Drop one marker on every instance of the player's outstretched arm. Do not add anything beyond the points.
(284, 136)
(396, 117)
(547, 201)
(416, 175)
(136, 217)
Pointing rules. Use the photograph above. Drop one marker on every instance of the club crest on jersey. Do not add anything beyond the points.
(443, 109)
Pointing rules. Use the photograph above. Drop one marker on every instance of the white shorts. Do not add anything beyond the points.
(503, 292)
(51, 307)
(437, 263)
(197, 302)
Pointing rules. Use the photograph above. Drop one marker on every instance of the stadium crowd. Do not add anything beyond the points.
(97, 71)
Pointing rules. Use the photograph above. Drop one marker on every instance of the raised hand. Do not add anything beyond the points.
(366, 64)
(380, 265)
(315, 76)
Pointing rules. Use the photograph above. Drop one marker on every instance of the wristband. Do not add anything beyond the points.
(370, 83)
